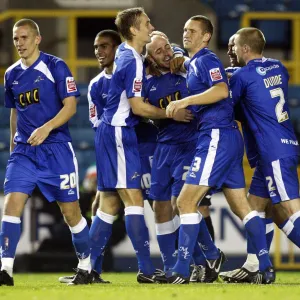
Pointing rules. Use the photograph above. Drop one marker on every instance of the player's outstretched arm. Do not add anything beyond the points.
(13, 127)
(214, 94)
(140, 108)
(40, 134)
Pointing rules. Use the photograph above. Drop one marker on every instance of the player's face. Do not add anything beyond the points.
(144, 30)
(193, 36)
(161, 51)
(26, 41)
(231, 53)
(238, 50)
(104, 51)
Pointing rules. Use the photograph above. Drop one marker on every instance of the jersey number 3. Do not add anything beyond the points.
(280, 114)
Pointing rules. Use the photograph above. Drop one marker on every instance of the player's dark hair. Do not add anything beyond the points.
(113, 35)
(206, 24)
(128, 18)
(252, 37)
(30, 23)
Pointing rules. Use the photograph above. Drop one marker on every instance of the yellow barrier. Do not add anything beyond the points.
(292, 65)
(72, 15)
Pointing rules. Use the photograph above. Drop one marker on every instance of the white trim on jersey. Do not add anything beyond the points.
(139, 68)
(122, 112)
(13, 66)
(42, 67)
(92, 107)
(76, 169)
(279, 181)
(121, 161)
(211, 156)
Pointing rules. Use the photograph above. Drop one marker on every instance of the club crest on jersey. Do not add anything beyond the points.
(137, 85)
(215, 74)
(71, 85)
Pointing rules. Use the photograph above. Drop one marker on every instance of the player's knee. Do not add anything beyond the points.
(71, 213)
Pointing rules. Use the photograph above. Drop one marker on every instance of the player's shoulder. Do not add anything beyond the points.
(127, 55)
(52, 61)
(11, 68)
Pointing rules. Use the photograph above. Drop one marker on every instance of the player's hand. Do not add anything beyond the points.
(177, 111)
(152, 67)
(176, 64)
(39, 135)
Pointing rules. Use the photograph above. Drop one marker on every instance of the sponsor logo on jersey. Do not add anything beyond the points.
(15, 82)
(71, 85)
(137, 85)
(215, 74)
(153, 88)
(262, 71)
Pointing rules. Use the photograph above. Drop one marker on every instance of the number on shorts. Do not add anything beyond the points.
(196, 164)
(280, 114)
(186, 169)
(146, 181)
(270, 184)
(68, 181)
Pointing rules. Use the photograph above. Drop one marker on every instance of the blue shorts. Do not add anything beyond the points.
(117, 158)
(218, 161)
(52, 167)
(277, 180)
(169, 169)
(146, 151)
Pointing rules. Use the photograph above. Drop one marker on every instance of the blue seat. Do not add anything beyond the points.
(4, 156)
(227, 27)
(85, 159)
(83, 138)
(2, 176)
(4, 139)
(4, 116)
(276, 32)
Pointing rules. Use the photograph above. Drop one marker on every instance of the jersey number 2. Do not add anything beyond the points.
(280, 114)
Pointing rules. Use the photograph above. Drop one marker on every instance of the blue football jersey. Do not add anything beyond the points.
(203, 71)
(160, 91)
(249, 140)
(127, 82)
(261, 89)
(37, 93)
(97, 97)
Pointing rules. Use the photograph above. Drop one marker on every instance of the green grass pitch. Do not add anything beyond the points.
(124, 286)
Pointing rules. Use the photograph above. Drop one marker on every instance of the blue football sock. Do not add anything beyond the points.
(291, 232)
(207, 245)
(166, 238)
(139, 236)
(81, 242)
(9, 238)
(10, 235)
(198, 256)
(100, 233)
(269, 231)
(188, 232)
(256, 231)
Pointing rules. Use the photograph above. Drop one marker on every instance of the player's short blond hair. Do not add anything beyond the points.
(30, 23)
(252, 37)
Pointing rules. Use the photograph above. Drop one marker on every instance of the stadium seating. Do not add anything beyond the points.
(276, 32)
